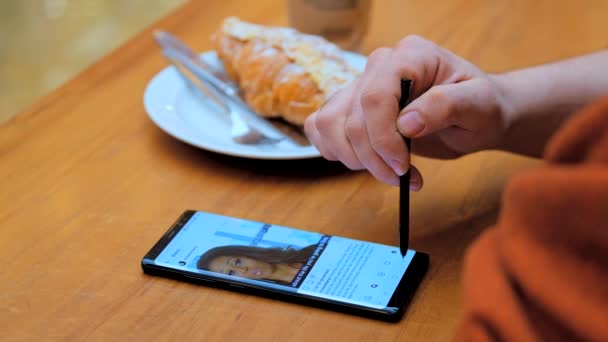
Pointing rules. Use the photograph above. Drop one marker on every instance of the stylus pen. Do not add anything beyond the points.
(404, 181)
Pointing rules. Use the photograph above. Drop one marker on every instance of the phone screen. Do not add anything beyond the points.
(286, 259)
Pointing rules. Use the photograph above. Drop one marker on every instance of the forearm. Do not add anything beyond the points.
(537, 100)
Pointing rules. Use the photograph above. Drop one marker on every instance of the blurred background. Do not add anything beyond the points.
(44, 43)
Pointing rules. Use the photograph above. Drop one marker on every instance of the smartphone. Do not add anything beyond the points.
(332, 272)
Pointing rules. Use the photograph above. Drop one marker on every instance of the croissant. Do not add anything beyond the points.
(282, 73)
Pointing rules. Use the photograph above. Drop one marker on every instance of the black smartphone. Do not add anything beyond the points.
(332, 272)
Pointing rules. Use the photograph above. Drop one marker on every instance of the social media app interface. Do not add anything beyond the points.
(287, 259)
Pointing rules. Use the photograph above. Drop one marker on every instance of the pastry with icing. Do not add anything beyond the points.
(281, 72)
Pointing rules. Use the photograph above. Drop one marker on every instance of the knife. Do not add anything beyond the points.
(169, 42)
(178, 53)
(404, 181)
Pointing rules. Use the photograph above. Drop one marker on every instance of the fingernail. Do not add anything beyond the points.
(396, 166)
(410, 124)
(415, 186)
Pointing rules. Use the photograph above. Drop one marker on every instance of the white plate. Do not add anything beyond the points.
(188, 117)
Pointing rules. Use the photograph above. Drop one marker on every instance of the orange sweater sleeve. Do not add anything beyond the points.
(541, 274)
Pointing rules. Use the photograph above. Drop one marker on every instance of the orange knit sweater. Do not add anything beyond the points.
(542, 272)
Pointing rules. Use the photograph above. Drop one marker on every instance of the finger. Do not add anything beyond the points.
(379, 93)
(413, 58)
(372, 161)
(356, 133)
(429, 113)
(419, 60)
(379, 101)
(329, 124)
(428, 64)
(333, 119)
(449, 105)
(416, 180)
(311, 131)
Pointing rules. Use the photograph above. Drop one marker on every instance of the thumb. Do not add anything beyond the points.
(440, 107)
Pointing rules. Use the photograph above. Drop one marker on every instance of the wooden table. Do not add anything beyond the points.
(88, 183)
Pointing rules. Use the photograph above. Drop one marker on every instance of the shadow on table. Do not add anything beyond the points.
(297, 169)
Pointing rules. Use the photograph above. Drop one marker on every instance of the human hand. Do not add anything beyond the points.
(457, 109)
